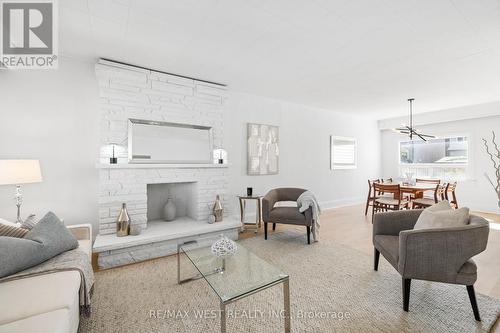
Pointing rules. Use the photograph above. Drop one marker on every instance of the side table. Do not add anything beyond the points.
(258, 219)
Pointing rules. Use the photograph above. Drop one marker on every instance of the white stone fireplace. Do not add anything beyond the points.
(129, 92)
(146, 186)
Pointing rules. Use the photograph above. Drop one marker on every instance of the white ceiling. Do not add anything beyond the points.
(357, 56)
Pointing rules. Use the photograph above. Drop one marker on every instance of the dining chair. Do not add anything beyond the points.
(450, 194)
(371, 194)
(428, 180)
(386, 181)
(383, 203)
(439, 195)
(425, 181)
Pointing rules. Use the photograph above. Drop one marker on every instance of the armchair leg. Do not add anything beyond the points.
(308, 234)
(375, 259)
(274, 226)
(265, 230)
(406, 293)
(473, 302)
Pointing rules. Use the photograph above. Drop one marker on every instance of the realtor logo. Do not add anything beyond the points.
(28, 34)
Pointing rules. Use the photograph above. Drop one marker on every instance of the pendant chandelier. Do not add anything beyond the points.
(409, 129)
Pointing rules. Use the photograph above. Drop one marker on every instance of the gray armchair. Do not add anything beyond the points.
(285, 215)
(441, 255)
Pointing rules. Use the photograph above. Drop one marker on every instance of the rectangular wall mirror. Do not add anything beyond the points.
(169, 143)
(342, 153)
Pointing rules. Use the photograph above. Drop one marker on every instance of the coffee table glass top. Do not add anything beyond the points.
(240, 274)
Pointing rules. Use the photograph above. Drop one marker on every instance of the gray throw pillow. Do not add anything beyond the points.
(48, 238)
(30, 222)
(442, 215)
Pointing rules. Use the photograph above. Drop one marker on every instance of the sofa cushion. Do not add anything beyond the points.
(10, 229)
(441, 215)
(389, 247)
(287, 215)
(52, 292)
(49, 322)
(48, 238)
(29, 222)
(55, 237)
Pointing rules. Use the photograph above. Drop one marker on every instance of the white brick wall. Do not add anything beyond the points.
(130, 186)
(130, 92)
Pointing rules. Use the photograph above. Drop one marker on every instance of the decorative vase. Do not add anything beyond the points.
(169, 210)
(224, 247)
(123, 222)
(211, 218)
(135, 229)
(409, 178)
(217, 209)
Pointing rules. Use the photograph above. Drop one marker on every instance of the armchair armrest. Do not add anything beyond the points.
(308, 213)
(268, 202)
(392, 223)
(81, 231)
(438, 254)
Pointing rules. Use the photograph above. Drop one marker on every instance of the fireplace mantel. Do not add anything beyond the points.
(160, 166)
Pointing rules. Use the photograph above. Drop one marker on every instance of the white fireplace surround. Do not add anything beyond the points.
(129, 92)
(130, 185)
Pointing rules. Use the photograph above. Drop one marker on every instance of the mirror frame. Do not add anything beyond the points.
(143, 159)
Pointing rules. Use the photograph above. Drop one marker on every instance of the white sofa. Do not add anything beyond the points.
(47, 303)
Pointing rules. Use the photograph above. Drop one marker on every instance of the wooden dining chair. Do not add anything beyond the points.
(386, 181)
(450, 194)
(371, 194)
(391, 200)
(439, 195)
(428, 180)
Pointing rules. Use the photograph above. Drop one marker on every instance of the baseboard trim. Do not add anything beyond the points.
(338, 203)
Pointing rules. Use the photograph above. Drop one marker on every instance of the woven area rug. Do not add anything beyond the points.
(333, 289)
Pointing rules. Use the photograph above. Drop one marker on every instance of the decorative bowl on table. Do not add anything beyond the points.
(224, 247)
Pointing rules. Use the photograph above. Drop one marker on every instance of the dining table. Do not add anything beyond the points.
(416, 190)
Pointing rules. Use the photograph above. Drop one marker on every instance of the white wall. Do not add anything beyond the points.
(475, 193)
(52, 115)
(304, 149)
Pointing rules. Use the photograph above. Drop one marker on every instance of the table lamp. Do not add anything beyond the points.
(17, 172)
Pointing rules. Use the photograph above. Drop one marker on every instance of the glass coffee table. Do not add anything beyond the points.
(233, 278)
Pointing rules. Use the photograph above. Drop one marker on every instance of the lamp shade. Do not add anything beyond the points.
(15, 172)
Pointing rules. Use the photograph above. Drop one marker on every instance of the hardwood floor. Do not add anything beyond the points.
(350, 227)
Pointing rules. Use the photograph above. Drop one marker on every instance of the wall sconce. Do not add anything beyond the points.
(113, 159)
(220, 156)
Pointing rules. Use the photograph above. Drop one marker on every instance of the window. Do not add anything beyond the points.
(343, 152)
(444, 158)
